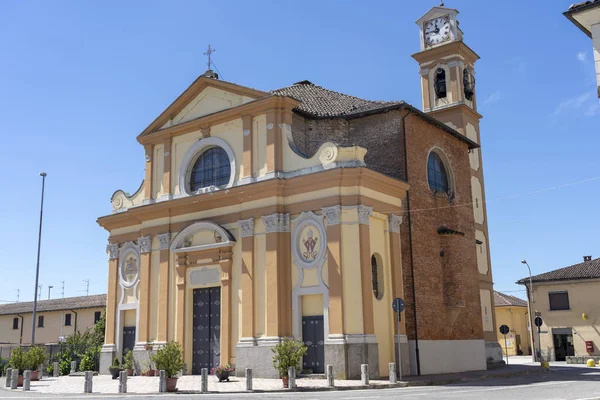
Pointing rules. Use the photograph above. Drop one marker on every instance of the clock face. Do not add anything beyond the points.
(437, 30)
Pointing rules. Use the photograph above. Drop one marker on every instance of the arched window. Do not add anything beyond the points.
(212, 168)
(440, 83)
(437, 174)
(377, 276)
(469, 84)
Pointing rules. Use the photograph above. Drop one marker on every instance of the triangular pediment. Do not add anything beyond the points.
(435, 12)
(203, 97)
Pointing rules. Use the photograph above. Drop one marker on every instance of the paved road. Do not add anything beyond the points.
(564, 383)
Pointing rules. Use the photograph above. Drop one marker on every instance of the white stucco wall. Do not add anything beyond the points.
(448, 356)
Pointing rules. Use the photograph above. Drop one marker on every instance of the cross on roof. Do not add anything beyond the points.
(208, 53)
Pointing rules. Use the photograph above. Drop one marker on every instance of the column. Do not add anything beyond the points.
(394, 223)
(145, 244)
(247, 284)
(163, 287)
(364, 237)
(248, 141)
(148, 148)
(225, 310)
(334, 262)
(273, 153)
(111, 296)
(182, 263)
(276, 297)
(166, 178)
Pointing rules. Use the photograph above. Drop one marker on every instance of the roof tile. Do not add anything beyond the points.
(501, 299)
(69, 303)
(585, 270)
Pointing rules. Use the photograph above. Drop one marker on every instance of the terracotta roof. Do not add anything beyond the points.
(69, 303)
(320, 102)
(585, 270)
(501, 299)
(583, 4)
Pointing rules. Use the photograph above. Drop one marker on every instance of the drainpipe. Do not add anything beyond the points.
(410, 246)
(75, 327)
(21, 334)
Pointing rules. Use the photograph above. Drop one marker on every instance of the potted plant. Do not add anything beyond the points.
(222, 372)
(288, 353)
(115, 368)
(146, 370)
(169, 358)
(128, 362)
(35, 357)
(18, 361)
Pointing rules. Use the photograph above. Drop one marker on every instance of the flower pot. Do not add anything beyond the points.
(155, 372)
(223, 376)
(114, 372)
(147, 373)
(20, 380)
(285, 381)
(129, 372)
(172, 384)
(34, 376)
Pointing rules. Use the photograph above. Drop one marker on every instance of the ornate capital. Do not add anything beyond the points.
(277, 222)
(246, 227)
(363, 214)
(145, 243)
(394, 222)
(165, 240)
(113, 251)
(332, 215)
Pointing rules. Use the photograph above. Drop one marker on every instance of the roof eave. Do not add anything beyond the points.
(569, 14)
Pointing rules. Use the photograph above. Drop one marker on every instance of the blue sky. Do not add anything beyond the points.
(79, 80)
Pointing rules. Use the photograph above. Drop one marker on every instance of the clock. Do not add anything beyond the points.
(437, 30)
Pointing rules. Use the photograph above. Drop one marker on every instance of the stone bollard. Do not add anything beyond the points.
(8, 376)
(26, 380)
(162, 381)
(249, 379)
(364, 373)
(393, 373)
(204, 384)
(73, 367)
(292, 377)
(330, 382)
(14, 378)
(123, 382)
(87, 385)
(56, 370)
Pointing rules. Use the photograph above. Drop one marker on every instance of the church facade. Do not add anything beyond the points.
(303, 212)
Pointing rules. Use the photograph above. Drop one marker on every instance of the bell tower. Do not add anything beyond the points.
(447, 69)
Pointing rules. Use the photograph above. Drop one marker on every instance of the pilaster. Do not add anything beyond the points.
(166, 178)
(149, 150)
(163, 287)
(394, 222)
(111, 296)
(334, 263)
(248, 141)
(247, 284)
(273, 151)
(182, 263)
(145, 244)
(364, 235)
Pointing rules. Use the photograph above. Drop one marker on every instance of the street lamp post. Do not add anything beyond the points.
(37, 268)
(531, 316)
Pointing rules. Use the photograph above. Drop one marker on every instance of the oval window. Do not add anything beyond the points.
(377, 275)
(212, 168)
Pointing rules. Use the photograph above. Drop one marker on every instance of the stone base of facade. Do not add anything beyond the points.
(142, 358)
(256, 354)
(107, 355)
(451, 356)
(493, 354)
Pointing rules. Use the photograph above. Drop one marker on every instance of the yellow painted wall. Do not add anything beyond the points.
(353, 321)
(516, 319)
(382, 308)
(582, 299)
(129, 318)
(259, 145)
(51, 331)
(236, 294)
(232, 133)
(312, 305)
(310, 278)
(260, 249)
(179, 147)
(486, 310)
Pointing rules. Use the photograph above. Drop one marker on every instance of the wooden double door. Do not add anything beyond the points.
(206, 329)
(313, 337)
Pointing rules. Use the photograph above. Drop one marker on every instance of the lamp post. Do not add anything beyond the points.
(37, 268)
(529, 301)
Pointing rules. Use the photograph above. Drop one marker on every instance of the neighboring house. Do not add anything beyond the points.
(512, 312)
(567, 301)
(288, 213)
(55, 318)
(586, 16)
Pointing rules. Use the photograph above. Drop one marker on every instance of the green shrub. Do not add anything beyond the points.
(18, 360)
(288, 353)
(170, 358)
(128, 360)
(87, 363)
(35, 357)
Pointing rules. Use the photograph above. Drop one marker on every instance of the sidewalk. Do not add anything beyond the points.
(104, 384)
